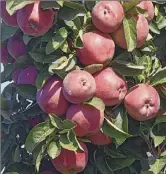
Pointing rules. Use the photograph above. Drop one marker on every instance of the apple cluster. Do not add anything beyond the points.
(67, 98)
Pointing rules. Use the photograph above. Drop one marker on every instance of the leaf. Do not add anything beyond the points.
(26, 38)
(41, 79)
(113, 131)
(49, 5)
(154, 28)
(93, 68)
(71, 10)
(40, 156)
(54, 149)
(128, 5)
(14, 5)
(129, 25)
(57, 41)
(56, 121)
(119, 163)
(78, 42)
(7, 31)
(161, 119)
(158, 140)
(63, 65)
(17, 157)
(38, 134)
(159, 77)
(126, 68)
(67, 126)
(113, 153)
(101, 163)
(157, 165)
(66, 143)
(97, 103)
(27, 91)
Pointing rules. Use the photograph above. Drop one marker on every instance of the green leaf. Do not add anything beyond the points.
(68, 141)
(17, 155)
(26, 38)
(158, 140)
(54, 149)
(40, 156)
(161, 119)
(57, 41)
(159, 77)
(93, 68)
(90, 169)
(156, 165)
(56, 121)
(71, 10)
(67, 126)
(41, 79)
(78, 42)
(128, 5)
(97, 103)
(38, 134)
(119, 163)
(13, 5)
(113, 131)
(101, 164)
(113, 153)
(63, 65)
(49, 5)
(7, 31)
(161, 21)
(126, 68)
(27, 91)
(11, 173)
(129, 25)
(154, 28)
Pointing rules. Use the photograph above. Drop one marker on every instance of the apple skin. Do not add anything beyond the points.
(70, 162)
(50, 97)
(16, 47)
(34, 20)
(148, 6)
(78, 86)
(7, 19)
(142, 102)
(100, 139)
(142, 28)
(110, 87)
(98, 48)
(107, 16)
(28, 75)
(88, 119)
(15, 75)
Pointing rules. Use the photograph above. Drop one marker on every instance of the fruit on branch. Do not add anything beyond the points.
(100, 139)
(88, 119)
(148, 7)
(142, 30)
(28, 75)
(78, 86)
(107, 16)
(34, 20)
(98, 48)
(70, 162)
(15, 75)
(142, 102)
(6, 17)
(50, 97)
(16, 46)
(110, 87)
